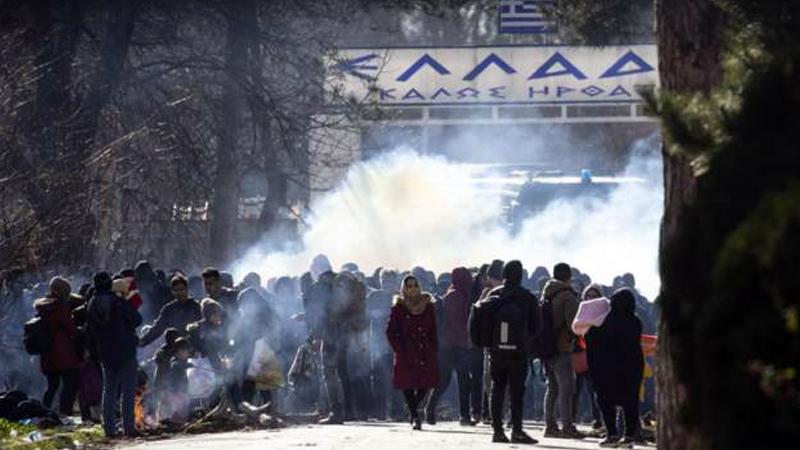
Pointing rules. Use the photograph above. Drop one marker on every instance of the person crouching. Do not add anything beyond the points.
(411, 332)
(174, 406)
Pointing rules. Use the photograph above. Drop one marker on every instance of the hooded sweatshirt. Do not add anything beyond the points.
(565, 307)
(456, 310)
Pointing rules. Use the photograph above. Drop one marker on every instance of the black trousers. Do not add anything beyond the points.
(507, 371)
(476, 382)
(458, 360)
(414, 397)
(584, 381)
(630, 411)
(68, 380)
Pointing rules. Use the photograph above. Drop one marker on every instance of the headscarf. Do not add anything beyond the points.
(416, 304)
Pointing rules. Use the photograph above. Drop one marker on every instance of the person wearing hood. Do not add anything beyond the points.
(454, 354)
(616, 365)
(379, 305)
(112, 322)
(411, 332)
(150, 290)
(178, 313)
(559, 370)
(514, 323)
(61, 363)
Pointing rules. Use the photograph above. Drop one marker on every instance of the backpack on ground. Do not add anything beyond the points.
(544, 344)
(510, 327)
(36, 336)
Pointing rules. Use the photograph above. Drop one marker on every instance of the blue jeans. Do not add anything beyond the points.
(119, 380)
(561, 386)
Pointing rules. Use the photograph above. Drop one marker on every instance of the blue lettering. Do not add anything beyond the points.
(440, 91)
(496, 92)
(532, 91)
(426, 59)
(619, 90)
(592, 91)
(567, 68)
(561, 90)
(616, 69)
(491, 59)
(413, 93)
(468, 92)
(387, 94)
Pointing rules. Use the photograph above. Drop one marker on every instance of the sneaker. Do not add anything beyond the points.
(430, 420)
(466, 423)
(417, 424)
(610, 442)
(572, 433)
(626, 442)
(500, 436)
(597, 425)
(521, 437)
(552, 431)
(332, 419)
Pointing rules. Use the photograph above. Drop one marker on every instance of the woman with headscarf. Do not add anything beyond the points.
(616, 365)
(592, 292)
(411, 332)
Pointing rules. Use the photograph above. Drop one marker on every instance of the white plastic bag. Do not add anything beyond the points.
(264, 368)
(203, 381)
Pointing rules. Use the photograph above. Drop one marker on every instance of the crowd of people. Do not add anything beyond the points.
(342, 345)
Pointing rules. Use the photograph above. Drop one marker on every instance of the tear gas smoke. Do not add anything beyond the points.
(405, 209)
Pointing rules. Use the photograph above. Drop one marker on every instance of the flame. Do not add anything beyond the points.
(138, 409)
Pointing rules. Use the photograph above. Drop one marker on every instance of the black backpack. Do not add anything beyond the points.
(544, 344)
(480, 324)
(509, 327)
(36, 337)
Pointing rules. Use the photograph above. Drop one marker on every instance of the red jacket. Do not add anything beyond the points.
(413, 339)
(63, 353)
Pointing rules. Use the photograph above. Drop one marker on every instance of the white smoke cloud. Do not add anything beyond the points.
(405, 209)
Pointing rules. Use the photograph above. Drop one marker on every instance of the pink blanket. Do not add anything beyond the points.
(590, 313)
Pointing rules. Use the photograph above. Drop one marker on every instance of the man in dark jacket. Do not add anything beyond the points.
(513, 311)
(227, 297)
(112, 322)
(178, 314)
(379, 305)
(454, 353)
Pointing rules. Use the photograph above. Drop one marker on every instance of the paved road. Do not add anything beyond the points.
(362, 436)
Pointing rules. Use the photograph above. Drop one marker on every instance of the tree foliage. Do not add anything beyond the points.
(730, 294)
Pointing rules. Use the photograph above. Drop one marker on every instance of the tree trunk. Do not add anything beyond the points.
(225, 201)
(689, 52)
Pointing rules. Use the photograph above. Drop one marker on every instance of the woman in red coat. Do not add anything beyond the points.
(62, 361)
(412, 334)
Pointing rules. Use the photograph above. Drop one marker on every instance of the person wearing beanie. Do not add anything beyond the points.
(112, 323)
(513, 314)
(494, 279)
(62, 361)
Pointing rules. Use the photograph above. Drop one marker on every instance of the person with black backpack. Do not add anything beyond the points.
(506, 322)
(554, 348)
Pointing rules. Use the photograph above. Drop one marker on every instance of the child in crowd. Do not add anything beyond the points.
(174, 404)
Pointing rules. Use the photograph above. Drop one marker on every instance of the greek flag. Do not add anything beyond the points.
(525, 17)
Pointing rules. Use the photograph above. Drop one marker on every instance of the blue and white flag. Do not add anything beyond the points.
(526, 17)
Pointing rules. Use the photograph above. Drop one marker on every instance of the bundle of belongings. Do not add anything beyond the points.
(15, 406)
(591, 313)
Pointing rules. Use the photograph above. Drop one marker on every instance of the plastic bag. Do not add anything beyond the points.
(265, 368)
(203, 381)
